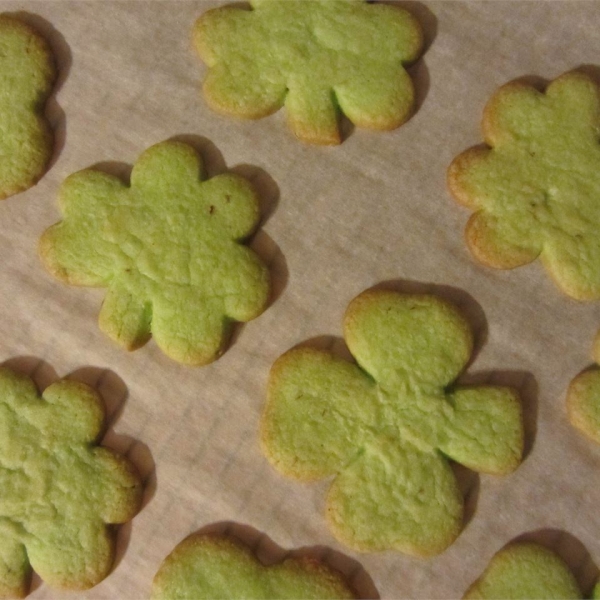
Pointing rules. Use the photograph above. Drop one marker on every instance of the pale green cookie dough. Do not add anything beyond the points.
(383, 428)
(58, 488)
(211, 566)
(583, 399)
(27, 74)
(524, 571)
(317, 58)
(169, 248)
(536, 190)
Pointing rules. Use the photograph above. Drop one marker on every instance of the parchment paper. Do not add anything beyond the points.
(337, 221)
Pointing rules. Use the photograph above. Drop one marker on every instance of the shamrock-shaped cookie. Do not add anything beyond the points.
(523, 571)
(583, 399)
(27, 74)
(215, 566)
(315, 57)
(168, 248)
(58, 488)
(384, 427)
(536, 189)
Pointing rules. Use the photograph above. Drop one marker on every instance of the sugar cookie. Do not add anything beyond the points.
(384, 427)
(317, 58)
(169, 248)
(536, 189)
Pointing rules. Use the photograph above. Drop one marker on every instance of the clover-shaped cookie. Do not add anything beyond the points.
(536, 191)
(168, 248)
(315, 57)
(384, 427)
(522, 571)
(583, 399)
(27, 74)
(58, 488)
(215, 566)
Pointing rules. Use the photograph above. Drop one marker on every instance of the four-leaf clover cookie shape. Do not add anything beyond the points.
(385, 428)
(316, 58)
(535, 189)
(27, 74)
(59, 490)
(583, 399)
(526, 570)
(206, 566)
(169, 248)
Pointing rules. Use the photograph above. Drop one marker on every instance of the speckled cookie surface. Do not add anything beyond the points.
(317, 58)
(523, 571)
(583, 399)
(169, 248)
(212, 566)
(27, 74)
(383, 427)
(58, 488)
(536, 189)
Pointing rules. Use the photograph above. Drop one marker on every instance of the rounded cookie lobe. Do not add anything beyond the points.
(27, 74)
(313, 396)
(391, 335)
(522, 571)
(583, 399)
(409, 501)
(216, 566)
(583, 403)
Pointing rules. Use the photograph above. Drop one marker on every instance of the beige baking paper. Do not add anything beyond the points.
(336, 222)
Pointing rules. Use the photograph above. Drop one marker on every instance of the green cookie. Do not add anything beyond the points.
(213, 566)
(383, 428)
(536, 191)
(583, 399)
(524, 571)
(168, 248)
(58, 488)
(317, 58)
(27, 74)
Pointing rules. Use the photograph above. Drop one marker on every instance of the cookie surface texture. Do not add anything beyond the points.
(383, 428)
(583, 399)
(27, 74)
(58, 488)
(536, 189)
(522, 571)
(317, 58)
(168, 248)
(213, 566)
